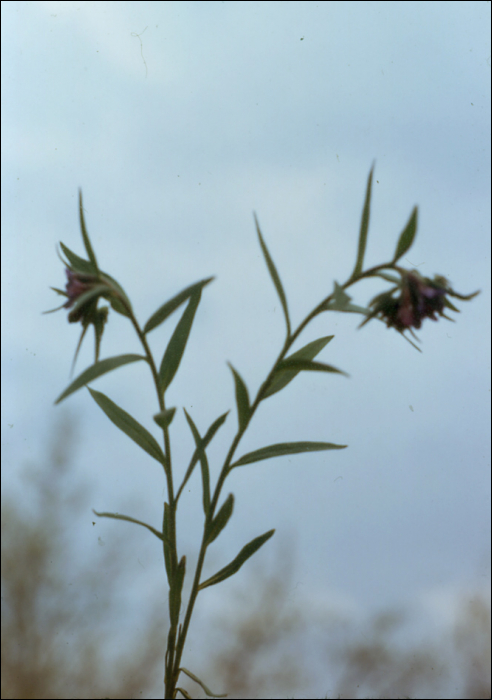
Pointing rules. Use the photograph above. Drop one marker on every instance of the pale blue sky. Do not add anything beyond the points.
(180, 119)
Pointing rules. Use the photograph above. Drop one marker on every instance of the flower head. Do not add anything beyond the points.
(412, 300)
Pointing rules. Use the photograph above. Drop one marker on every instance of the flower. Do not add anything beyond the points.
(77, 285)
(419, 298)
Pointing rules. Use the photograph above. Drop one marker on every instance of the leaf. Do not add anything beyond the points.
(85, 235)
(125, 422)
(341, 302)
(274, 275)
(201, 446)
(308, 352)
(117, 516)
(246, 552)
(221, 519)
(202, 456)
(176, 346)
(97, 370)
(167, 309)
(285, 448)
(364, 226)
(242, 399)
(407, 236)
(164, 418)
(202, 684)
(307, 365)
(76, 263)
(175, 591)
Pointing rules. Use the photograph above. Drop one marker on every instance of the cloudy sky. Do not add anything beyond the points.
(178, 120)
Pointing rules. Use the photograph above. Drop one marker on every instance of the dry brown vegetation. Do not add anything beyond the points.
(57, 635)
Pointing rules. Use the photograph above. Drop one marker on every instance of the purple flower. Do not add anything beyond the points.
(413, 299)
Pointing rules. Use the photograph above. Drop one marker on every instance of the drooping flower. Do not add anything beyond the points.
(412, 300)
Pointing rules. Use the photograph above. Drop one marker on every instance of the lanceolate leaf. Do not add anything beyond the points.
(246, 552)
(308, 352)
(364, 227)
(221, 519)
(242, 399)
(274, 275)
(407, 236)
(85, 235)
(285, 448)
(167, 309)
(117, 516)
(202, 456)
(176, 346)
(96, 370)
(309, 365)
(125, 422)
(77, 263)
(201, 447)
(175, 592)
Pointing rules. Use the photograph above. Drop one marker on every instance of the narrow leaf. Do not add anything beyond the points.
(364, 226)
(246, 552)
(85, 235)
(308, 352)
(221, 519)
(202, 684)
(308, 365)
(167, 309)
(77, 263)
(285, 448)
(202, 455)
(407, 236)
(274, 275)
(96, 370)
(125, 422)
(117, 516)
(164, 418)
(242, 399)
(175, 593)
(176, 346)
(200, 447)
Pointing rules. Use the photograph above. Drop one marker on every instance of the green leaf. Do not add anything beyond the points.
(164, 418)
(76, 263)
(308, 352)
(285, 448)
(221, 519)
(407, 236)
(175, 591)
(202, 455)
(246, 552)
(274, 275)
(125, 422)
(85, 235)
(176, 346)
(96, 370)
(117, 516)
(167, 309)
(200, 447)
(202, 684)
(307, 365)
(242, 399)
(364, 226)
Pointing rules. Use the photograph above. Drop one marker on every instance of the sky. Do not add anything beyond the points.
(178, 121)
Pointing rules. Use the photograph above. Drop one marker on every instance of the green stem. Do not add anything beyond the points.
(170, 690)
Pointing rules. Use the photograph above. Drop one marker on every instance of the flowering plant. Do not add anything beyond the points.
(411, 299)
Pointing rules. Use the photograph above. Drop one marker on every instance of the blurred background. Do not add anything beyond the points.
(178, 120)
